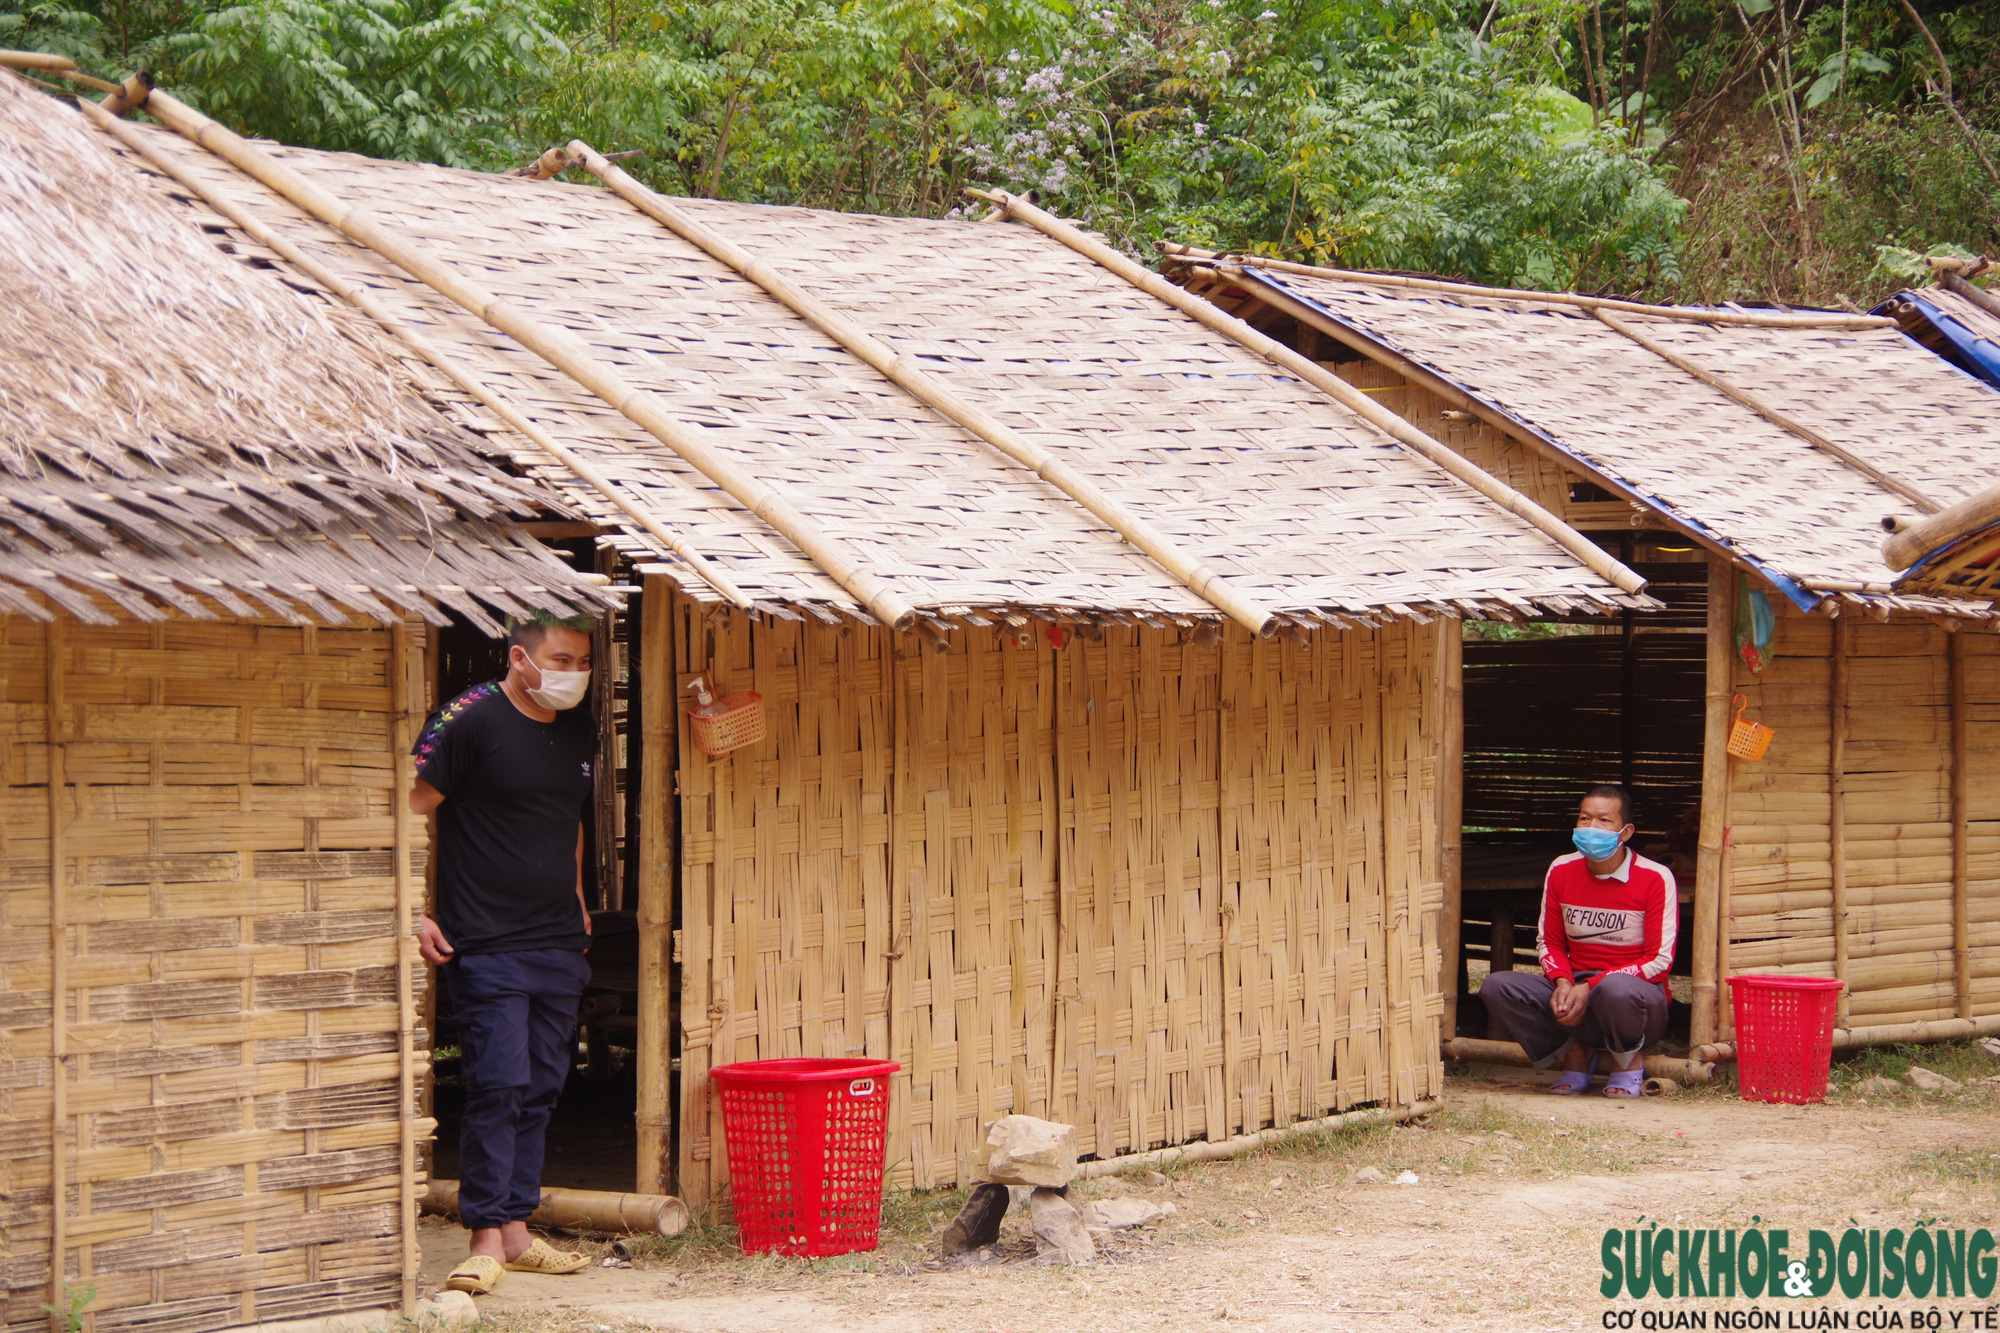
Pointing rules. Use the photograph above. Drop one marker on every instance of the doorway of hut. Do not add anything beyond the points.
(592, 1141)
(1555, 707)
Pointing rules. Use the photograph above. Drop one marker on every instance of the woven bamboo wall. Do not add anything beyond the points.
(1133, 884)
(231, 1136)
(1901, 966)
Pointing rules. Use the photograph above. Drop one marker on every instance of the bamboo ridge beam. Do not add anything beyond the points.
(1575, 543)
(1709, 945)
(361, 300)
(558, 346)
(1961, 852)
(1242, 1145)
(1205, 582)
(1910, 541)
(596, 1210)
(1772, 415)
(1750, 318)
(1836, 783)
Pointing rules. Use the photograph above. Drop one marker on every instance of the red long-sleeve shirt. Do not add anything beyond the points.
(1623, 922)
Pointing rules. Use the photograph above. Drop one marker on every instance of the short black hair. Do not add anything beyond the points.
(1616, 793)
(530, 633)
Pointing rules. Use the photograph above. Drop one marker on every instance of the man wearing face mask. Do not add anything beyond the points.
(1609, 917)
(506, 766)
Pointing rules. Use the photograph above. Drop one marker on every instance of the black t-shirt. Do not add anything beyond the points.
(515, 791)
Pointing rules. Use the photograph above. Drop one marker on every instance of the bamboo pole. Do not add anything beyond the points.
(657, 852)
(1772, 320)
(1908, 542)
(1708, 924)
(595, 1210)
(400, 763)
(1451, 812)
(1960, 852)
(1582, 548)
(560, 348)
(430, 351)
(56, 723)
(1772, 415)
(1242, 1145)
(1510, 1053)
(1836, 781)
(1203, 580)
(1885, 1034)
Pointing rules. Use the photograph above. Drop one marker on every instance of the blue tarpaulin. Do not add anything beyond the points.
(1981, 354)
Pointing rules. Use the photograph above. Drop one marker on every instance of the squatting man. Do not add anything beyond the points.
(505, 766)
(1606, 940)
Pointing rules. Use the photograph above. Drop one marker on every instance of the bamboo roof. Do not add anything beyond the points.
(1291, 498)
(1834, 421)
(180, 433)
(1961, 328)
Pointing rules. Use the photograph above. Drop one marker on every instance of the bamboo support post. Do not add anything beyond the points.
(655, 842)
(424, 347)
(1451, 812)
(1910, 541)
(1709, 861)
(1836, 817)
(593, 1210)
(1472, 1049)
(58, 737)
(1756, 319)
(560, 348)
(1772, 415)
(1575, 543)
(402, 742)
(1241, 1145)
(1960, 852)
(1204, 581)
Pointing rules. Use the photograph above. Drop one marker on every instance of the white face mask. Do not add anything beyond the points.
(559, 689)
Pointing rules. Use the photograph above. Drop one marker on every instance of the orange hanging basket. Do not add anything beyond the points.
(718, 726)
(1748, 740)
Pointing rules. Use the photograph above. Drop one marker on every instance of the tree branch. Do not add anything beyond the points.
(1950, 103)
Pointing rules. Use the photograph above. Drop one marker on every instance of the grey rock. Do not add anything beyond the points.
(1029, 1151)
(1123, 1213)
(1368, 1175)
(1990, 1046)
(1154, 1178)
(978, 1223)
(1878, 1087)
(1925, 1080)
(1060, 1236)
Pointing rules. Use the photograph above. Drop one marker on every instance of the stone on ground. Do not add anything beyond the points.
(1368, 1175)
(1059, 1232)
(1991, 1046)
(1878, 1087)
(978, 1223)
(1124, 1212)
(1028, 1151)
(1925, 1080)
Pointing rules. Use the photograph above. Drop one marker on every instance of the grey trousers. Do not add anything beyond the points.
(1625, 1015)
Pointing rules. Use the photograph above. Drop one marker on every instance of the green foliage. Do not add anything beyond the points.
(1705, 149)
(77, 1300)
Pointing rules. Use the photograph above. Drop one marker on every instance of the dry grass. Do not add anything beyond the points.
(1963, 1061)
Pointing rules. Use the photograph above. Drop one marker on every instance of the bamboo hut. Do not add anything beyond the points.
(1104, 663)
(226, 519)
(1759, 451)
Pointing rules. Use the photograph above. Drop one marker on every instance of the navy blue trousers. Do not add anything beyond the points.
(517, 1028)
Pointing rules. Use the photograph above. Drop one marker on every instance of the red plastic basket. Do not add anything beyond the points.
(1784, 1036)
(805, 1141)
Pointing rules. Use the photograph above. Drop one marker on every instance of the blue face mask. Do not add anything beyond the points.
(1596, 843)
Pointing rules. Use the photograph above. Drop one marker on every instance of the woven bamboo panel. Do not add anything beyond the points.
(1901, 965)
(1700, 455)
(1287, 492)
(1157, 890)
(231, 1138)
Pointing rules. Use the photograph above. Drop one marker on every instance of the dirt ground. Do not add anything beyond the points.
(1501, 1230)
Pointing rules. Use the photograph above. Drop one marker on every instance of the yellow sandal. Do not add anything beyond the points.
(542, 1257)
(476, 1275)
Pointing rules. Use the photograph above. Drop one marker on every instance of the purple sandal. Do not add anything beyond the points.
(1627, 1083)
(1574, 1082)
